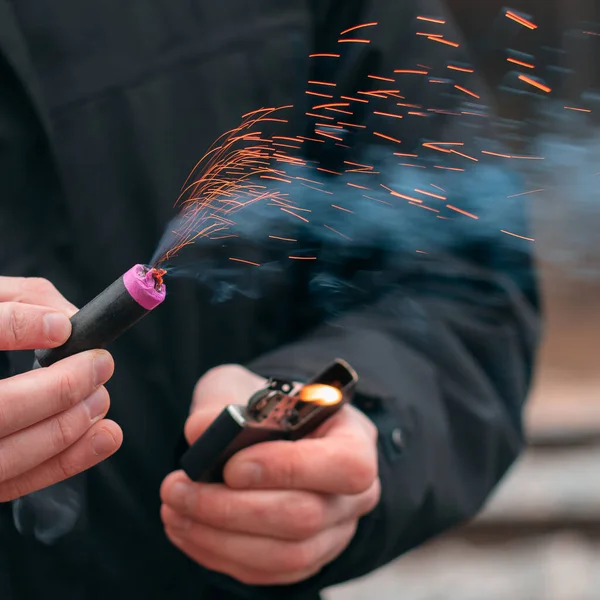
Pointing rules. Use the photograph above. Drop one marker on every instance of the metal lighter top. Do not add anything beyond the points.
(280, 411)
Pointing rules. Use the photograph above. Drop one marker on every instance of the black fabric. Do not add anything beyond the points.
(104, 109)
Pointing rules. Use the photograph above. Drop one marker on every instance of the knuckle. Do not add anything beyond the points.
(371, 498)
(363, 472)
(3, 468)
(65, 431)
(296, 557)
(66, 466)
(68, 389)
(40, 285)
(17, 325)
(286, 473)
(222, 372)
(307, 517)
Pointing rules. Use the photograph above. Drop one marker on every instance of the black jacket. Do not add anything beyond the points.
(104, 108)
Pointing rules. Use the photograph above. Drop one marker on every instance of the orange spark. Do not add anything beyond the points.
(311, 139)
(345, 112)
(435, 147)
(336, 231)
(354, 41)
(357, 27)
(328, 135)
(386, 137)
(495, 154)
(289, 212)
(430, 194)
(430, 20)
(276, 237)
(354, 99)
(411, 71)
(381, 78)
(247, 262)
(341, 208)
(360, 187)
(324, 55)
(464, 155)
(319, 116)
(448, 168)
(520, 63)
(275, 178)
(425, 207)
(443, 41)
(322, 83)
(585, 110)
(466, 91)
(316, 189)
(330, 105)
(399, 195)
(521, 237)
(526, 193)
(328, 171)
(318, 94)
(378, 200)
(385, 114)
(285, 137)
(536, 84)
(355, 164)
(462, 212)
(461, 69)
(303, 257)
(521, 20)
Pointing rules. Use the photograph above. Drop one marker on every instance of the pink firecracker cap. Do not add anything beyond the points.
(141, 285)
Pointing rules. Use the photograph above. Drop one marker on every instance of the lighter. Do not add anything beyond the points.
(277, 412)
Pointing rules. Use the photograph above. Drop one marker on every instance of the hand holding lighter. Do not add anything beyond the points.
(277, 412)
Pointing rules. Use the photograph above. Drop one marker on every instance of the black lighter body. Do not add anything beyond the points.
(278, 412)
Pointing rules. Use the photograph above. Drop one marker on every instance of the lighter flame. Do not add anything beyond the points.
(325, 395)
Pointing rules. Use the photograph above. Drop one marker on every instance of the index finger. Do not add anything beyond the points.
(344, 461)
(34, 290)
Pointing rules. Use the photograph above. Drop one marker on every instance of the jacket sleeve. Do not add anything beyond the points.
(444, 367)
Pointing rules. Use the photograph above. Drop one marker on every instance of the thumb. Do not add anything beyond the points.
(219, 387)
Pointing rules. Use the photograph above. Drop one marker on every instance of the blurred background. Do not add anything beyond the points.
(538, 537)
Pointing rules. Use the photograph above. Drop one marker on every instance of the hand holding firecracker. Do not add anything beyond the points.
(51, 420)
(287, 508)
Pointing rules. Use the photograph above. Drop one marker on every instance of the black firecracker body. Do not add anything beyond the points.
(97, 324)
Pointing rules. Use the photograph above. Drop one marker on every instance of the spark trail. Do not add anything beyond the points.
(247, 166)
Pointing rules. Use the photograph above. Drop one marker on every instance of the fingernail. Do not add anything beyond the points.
(97, 404)
(247, 474)
(103, 443)
(179, 494)
(103, 367)
(57, 327)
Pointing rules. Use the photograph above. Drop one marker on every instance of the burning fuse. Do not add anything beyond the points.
(277, 412)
